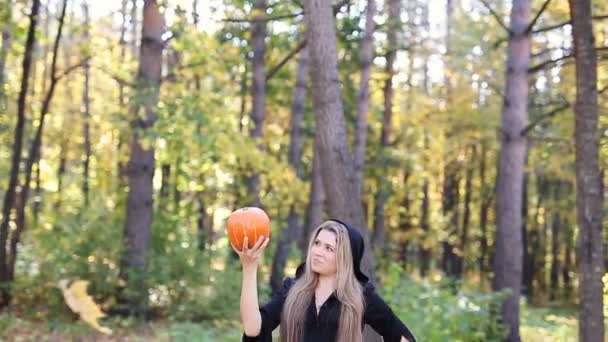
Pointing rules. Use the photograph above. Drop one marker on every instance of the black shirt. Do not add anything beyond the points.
(324, 326)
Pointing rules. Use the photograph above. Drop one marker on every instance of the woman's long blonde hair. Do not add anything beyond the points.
(348, 291)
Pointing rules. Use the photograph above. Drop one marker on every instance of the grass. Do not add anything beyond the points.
(537, 325)
(548, 325)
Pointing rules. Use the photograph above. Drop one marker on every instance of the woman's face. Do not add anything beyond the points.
(323, 253)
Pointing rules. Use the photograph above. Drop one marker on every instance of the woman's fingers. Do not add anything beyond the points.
(258, 244)
(253, 252)
(245, 245)
(263, 242)
(266, 240)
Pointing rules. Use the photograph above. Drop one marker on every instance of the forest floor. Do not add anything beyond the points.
(538, 325)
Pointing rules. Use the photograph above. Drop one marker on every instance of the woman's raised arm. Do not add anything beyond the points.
(250, 312)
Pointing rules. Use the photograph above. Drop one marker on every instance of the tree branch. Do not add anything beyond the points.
(183, 67)
(262, 19)
(290, 55)
(564, 23)
(119, 79)
(72, 68)
(543, 117)
(496, 16)
(540, 12)
(499, 42)
(299, 47)
(544, 64)
(336, 8)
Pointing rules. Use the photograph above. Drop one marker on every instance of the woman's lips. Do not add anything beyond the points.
(316, 261)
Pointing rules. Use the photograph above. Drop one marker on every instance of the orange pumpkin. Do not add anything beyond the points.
(249, 221)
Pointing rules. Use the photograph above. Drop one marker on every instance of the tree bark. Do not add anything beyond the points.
(290, 234)
(140, 168)
(366, 60)
(589, 193)
(10, 196)
(258, 93)
(508, 245)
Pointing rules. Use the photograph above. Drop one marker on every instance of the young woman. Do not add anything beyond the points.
(329, 300)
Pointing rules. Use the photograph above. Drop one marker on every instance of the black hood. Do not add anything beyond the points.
(357, 247)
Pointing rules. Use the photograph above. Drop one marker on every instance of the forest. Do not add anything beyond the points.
(467, 140)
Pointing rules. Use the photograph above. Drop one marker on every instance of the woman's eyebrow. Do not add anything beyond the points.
(328, 245)
(324, 243)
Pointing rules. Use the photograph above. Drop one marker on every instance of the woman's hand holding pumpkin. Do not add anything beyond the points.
(250, 256)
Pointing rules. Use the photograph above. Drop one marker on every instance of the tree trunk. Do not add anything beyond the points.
(10, 196)
(393, 25)
(140, 168)
(568, 268)
(35, 147)
(556, 226)
(405, 223)
(425, 251)
(451, 194)
(527, 279)
(204, 227)
(589, 194)
(121, 89)
(87, 114)
(314, 212)
(60, 172)
(134, 29)
(177, 193)
(6, 46)
(337, 166)
(258, 93)
(289, 235)
(508, 245)
(464, 238)
(484, 210)
(165, 181)
(366, 60)
(243, 99)
(450, 197)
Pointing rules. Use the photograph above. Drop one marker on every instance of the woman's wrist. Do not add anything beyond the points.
(253, 267)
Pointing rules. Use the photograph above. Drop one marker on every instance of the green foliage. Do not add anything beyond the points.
(435, 313)
(186, 283)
